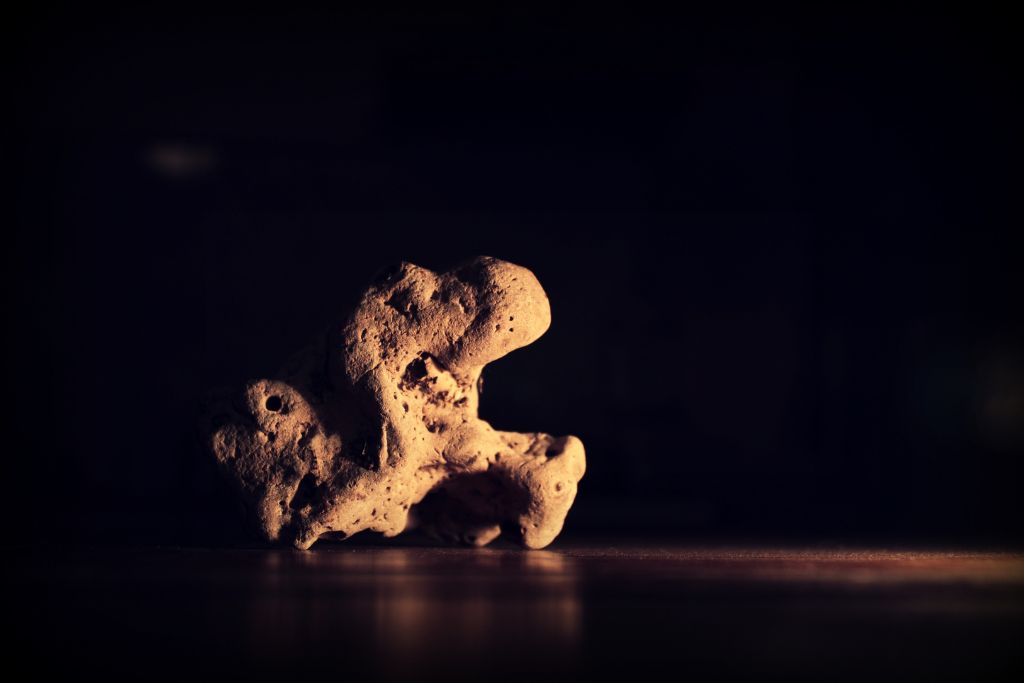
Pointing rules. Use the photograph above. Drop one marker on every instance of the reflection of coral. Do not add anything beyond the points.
(373, 417)
(411, 603)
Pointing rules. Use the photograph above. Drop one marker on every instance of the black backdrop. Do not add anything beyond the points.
(781, 252)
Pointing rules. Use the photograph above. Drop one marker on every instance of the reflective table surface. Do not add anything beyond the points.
(620, 609)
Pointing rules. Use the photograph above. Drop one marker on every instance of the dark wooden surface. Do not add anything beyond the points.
(671, 611)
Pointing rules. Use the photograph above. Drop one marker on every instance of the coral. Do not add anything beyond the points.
(375, 426)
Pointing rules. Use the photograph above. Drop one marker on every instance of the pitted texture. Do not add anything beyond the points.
(373, 417)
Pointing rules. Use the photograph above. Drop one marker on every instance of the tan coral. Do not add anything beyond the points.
(373, 417)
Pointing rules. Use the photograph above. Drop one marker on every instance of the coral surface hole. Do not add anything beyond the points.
(274, 404)
(305, 493)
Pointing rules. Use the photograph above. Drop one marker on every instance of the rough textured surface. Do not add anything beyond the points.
(373, 417)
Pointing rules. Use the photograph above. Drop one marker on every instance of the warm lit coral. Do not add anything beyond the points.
(376, 415)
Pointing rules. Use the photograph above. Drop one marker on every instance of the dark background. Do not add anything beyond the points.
(781, 252)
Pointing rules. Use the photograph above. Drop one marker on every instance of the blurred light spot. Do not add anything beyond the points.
(1000, 399)
(179, 161)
